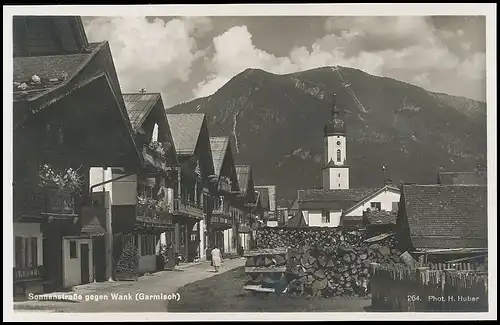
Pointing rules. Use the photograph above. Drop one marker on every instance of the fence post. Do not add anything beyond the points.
(443, 281)
(420, 286)
(374, 286)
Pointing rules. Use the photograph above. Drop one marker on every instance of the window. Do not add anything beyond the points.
(326, 150)
(26, 251)
(154, 136)
(338, 155)
(34, 251)
(72, 249)
(338, 143)
(395, 206)
(325, 216)
(339, 174)
(148, 245)
(145, 189)
(375, 206)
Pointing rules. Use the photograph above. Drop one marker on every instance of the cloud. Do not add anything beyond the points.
(150, 54)
(235, 52)
(410, 49)
(473, 67)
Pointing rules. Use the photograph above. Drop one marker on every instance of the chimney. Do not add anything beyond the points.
(387, 182)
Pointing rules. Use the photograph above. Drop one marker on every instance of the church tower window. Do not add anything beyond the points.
(338, 155)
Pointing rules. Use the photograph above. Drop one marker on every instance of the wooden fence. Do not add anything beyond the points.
(447, 288)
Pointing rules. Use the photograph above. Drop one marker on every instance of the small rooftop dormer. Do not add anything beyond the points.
(48, 35)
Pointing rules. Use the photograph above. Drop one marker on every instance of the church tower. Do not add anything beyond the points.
(335, 171)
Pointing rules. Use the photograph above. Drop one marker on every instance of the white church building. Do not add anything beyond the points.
(336, 204)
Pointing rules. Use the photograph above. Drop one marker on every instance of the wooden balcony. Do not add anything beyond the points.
(38, 202)
(188, 209)
(23, 274)
(220, 211)
(221, 221)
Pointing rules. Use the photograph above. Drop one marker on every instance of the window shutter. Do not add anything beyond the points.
(19, 251)
(34, 251)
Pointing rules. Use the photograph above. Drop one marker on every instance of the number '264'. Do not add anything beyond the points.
(413, 298)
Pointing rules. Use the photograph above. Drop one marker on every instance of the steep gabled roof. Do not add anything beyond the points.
(59, 76)
(244, 173)
(54, 71)
(450, 216)
(264, 197)
(371, 196)
(138, 107)
(332, 199)
(219, 147)
(271, 189)
(185, 130)
(463, 178)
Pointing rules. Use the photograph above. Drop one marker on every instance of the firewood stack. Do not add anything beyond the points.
(265, 270)
(341, 271)
(300, 237)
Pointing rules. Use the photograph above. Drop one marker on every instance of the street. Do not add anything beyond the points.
(130, 296)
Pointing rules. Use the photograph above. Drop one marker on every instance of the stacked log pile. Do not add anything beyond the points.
(265, 270)
(328, 271)
(330, 261)
(300, 237)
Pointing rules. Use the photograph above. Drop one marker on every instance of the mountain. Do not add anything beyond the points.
(276, 124)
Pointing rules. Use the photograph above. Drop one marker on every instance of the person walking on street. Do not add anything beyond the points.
(216, 258)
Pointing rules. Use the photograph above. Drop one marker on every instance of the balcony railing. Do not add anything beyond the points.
(39, 201)
(220, 211)
(221, 219)
(188, 208)
(28, 273)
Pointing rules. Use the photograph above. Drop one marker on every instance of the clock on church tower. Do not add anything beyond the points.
(335, 171)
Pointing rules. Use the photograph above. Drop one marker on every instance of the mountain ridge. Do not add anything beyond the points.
(413, 132)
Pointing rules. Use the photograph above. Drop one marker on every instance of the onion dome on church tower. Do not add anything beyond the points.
(336, 125)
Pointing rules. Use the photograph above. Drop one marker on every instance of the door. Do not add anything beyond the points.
(84, 263)
(52, 261)
(99, 258)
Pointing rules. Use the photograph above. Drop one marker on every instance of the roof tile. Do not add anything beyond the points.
(264, 197)
(463, 178)
(450, 216)
(138, 107)
(219, 147)
(351, 194)
(380, 217)
(52, 70)
(243, 173)
(185, 130)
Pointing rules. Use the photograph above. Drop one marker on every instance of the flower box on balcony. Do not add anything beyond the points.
(224, 184)
(153, 210)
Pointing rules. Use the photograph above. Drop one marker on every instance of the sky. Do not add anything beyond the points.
(190, 57)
